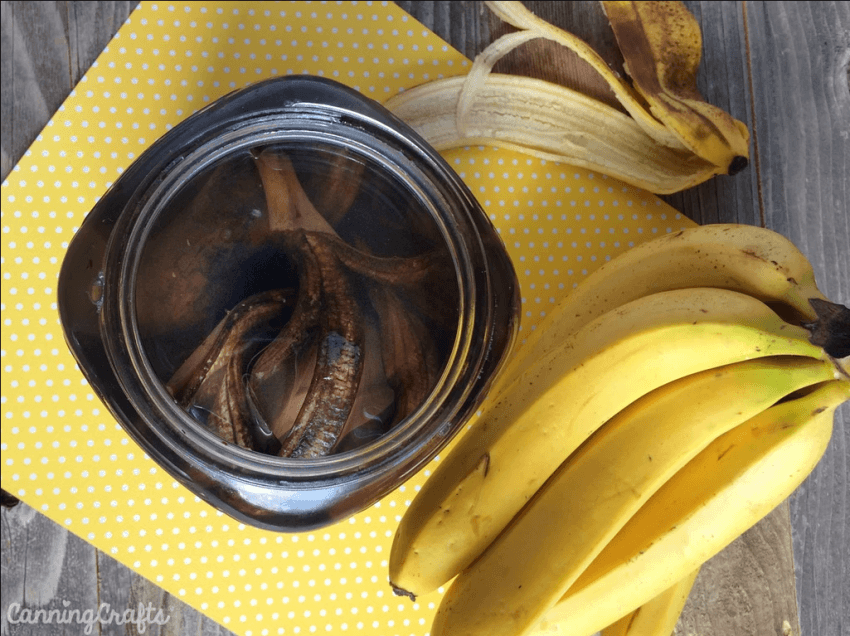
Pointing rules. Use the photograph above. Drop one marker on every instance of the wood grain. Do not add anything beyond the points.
(547, 60)
(802, 122)
(748, 588)
(461, 24)
(46, 49)
(781, 67)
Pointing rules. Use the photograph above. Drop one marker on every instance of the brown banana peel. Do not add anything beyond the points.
(288, 387)
(661, 43)
(670, 140)
(515, 14)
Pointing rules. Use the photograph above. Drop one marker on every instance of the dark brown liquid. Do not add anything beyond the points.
(218, 243)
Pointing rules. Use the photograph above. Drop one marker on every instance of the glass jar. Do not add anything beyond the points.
(300, 217)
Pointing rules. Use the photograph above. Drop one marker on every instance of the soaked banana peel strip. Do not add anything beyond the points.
(679, 142)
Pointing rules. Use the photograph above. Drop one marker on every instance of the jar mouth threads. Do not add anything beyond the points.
(163, 303)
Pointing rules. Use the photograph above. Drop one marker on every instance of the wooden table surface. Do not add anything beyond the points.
(781, 67)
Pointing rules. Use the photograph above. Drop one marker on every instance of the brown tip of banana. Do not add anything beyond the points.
(401, 592)
(738, 164)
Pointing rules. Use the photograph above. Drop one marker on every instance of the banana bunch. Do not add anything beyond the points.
(678, 395)
(663, 137)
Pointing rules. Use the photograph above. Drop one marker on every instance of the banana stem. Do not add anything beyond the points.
(831, 330)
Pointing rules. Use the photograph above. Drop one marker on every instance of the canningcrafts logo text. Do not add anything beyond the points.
(140, 616)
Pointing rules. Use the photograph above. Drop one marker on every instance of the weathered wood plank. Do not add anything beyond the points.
(35, 73)
(47, 47)
(802, 122)
(90, 27)
(458, 23)
(182, 619)
(44, 566)
(747, 589)
(113, 582)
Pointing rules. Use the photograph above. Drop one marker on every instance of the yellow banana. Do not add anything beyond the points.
(521, 438)
(725, 490)
(657, 617)
(583, 505)
(752, 260)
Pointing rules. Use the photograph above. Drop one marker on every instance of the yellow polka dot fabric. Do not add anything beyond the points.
(61, 450)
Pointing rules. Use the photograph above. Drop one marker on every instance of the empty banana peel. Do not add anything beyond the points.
(550, 122)
(515, 14)
(671, 139)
